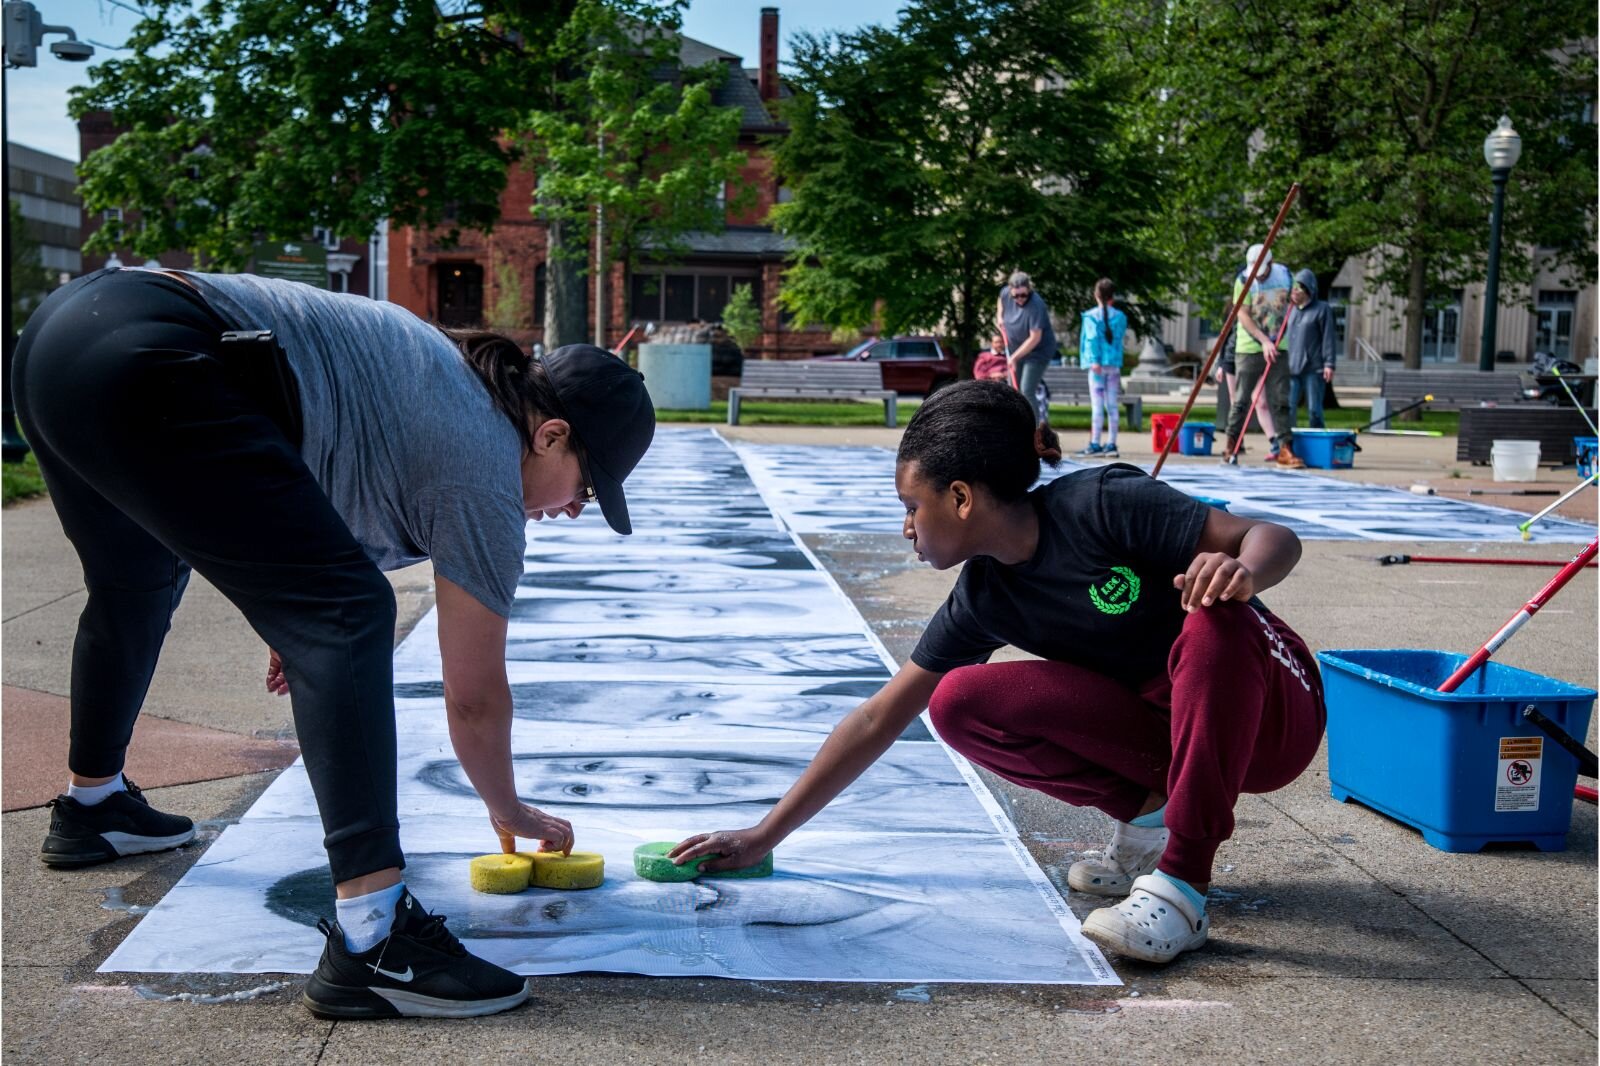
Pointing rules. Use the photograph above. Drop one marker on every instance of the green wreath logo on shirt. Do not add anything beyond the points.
(1116, 593)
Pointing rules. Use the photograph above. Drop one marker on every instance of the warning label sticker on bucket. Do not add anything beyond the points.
(1517, 786)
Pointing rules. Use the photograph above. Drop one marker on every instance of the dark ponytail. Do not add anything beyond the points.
(516, 383)
(1104, 291)
(981, 432)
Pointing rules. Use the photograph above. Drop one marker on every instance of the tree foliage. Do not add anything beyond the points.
(742, 317)
(31, 282)
(634, 133)
(253, 119)
(1379, 108)
(929, 159)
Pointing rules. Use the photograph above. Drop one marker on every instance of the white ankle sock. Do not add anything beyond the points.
(89, 795)
(366, 920)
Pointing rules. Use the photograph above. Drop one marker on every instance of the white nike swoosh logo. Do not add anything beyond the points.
(395, 976)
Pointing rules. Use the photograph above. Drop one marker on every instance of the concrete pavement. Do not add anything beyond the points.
(1339, 936)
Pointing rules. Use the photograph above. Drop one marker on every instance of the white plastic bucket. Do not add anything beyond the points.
(1515, 460)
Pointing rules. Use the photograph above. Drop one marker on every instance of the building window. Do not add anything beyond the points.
(1553, 322)
(112, 214)
(326, 237)
(1339, 301)
(698, 294)
(678, 298)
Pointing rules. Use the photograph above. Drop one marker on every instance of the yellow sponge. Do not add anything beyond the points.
(501, 874)
(551, 869)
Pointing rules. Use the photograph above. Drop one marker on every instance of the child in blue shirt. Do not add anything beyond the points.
(1100, 349)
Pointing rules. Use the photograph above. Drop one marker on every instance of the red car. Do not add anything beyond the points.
(910, 364)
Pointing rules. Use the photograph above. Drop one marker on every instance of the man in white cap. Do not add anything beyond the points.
(1258, 351)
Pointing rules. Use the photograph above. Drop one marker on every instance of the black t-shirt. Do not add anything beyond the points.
(1098, 591)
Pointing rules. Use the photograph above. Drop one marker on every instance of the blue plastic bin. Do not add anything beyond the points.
(1585, 447)
(1194, 438)
(1463, 766)
(1326, 449)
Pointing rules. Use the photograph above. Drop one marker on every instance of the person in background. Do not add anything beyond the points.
(1312, 349)
(1022, 316)
(1100, 349)
(991, 365)
(1258, 351)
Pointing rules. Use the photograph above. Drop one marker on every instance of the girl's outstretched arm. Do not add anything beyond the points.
(857, 742)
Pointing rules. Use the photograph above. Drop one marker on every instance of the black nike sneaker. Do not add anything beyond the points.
(420, 971)
(123, 823)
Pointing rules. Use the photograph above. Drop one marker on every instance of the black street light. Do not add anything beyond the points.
(24, 33)
(1501, 149)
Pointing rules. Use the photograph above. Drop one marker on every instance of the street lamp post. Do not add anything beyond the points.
(24, 32)
(1501, 150)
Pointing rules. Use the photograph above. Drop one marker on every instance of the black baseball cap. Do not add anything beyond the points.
(604, 400)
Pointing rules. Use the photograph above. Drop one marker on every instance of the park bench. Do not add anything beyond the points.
(1070, 385)
(805, 380)
(1452, 390)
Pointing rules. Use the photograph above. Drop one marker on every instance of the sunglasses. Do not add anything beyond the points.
(588, 495)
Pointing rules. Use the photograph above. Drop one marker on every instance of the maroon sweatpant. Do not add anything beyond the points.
(1238, 710)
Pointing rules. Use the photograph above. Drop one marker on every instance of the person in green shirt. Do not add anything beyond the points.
(1258, 351)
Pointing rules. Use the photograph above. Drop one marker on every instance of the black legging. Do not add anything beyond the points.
(161, 454)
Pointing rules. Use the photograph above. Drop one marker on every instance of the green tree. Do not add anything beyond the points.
(631, 134)
(253, 119)
(509, 311)
(1379, 108)
(30, 281)
(742, 318)
(929, 159)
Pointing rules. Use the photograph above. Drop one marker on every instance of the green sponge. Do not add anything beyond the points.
(651, 863)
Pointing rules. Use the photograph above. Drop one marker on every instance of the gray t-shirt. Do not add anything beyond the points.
(1020, 321)
(399, 432)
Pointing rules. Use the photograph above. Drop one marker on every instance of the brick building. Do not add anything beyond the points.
(461, 285)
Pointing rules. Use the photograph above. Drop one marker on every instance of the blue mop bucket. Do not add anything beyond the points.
(1463, 767)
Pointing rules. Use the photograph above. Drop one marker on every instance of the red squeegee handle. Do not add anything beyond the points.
(1518, 620)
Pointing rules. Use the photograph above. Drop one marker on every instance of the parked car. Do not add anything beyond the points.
(915, 365)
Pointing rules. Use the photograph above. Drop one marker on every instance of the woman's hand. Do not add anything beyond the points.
(737, 849)
(277, 684)
(1213, 576)
(552, 833)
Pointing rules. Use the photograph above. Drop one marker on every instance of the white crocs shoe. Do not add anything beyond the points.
(1133, 852)
(1156, 923)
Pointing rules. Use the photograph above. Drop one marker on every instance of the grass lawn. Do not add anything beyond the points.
(21, 480)
(861, 413)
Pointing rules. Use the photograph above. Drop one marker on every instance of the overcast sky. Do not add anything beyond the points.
(36, 97)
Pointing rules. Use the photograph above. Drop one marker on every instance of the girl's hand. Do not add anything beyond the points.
(1213, 577)
(552, 833)
(737, 849)
(277, 684)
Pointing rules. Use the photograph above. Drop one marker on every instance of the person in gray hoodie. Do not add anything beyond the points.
(1313, 349)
